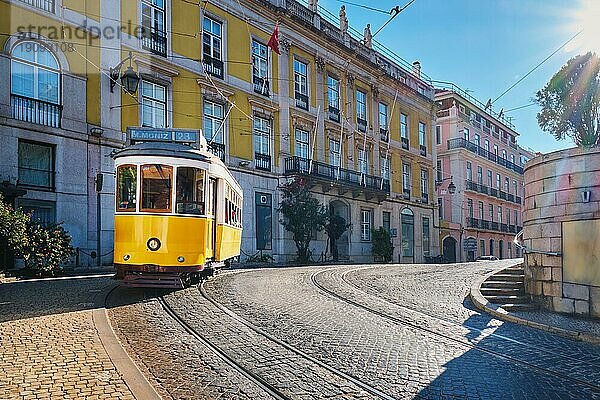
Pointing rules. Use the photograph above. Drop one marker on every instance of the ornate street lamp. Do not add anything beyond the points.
(129, 80)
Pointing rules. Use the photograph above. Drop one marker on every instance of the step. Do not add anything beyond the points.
(509, 277)
(519, 307)
(516, 291)
(502, 284)
(508, 299)
(513, 271)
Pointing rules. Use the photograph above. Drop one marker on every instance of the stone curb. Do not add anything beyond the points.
(484, 305)
(130, 373)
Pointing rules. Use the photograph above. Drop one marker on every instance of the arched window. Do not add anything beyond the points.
(35, 84)
(407, 220)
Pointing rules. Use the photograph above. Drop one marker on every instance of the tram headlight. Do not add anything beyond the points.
(153, 244)
(126, 257)
(180, 259)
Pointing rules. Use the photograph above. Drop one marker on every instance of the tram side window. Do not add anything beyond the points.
(190, 191)
(232, 207)
(126, 188)
(156, 187)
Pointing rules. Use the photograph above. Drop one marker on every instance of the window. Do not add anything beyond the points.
(43, 212)
(264, 221)
(361, 110)
(439, 172)
(404, 126)
(425, 184)
(366, 222)
(156, 187)
(383, 116)
(406, 178)
(482, 247)
(470, 208)
(233, 207)
(515, 188)
(491, 247)
(512, 158)
(36, 164)
(262, 143)
(499, 214)
(407, 220)
(302, 147)
(469, 171)
(507, 217)
(438, 134)
(363, 161)
(190, 191)
(489, 178)
(35, 85)
(481, 210)
(301, 84)
(477, 140)
(441, 207)
(385, 168)
(212, 40)
(516, 217)
(426, 240)
(504, 154)
(491, 212)
(154, 37)
(466, 134)
(334, 153)
(387, 218)
(126, 188)
(422, 134)
(496, 151)
(479, 175)
(260, 67)
(486, 145)
(213, 122)
(506, 185)
(498, 181)
(154, 105)
(333, 98)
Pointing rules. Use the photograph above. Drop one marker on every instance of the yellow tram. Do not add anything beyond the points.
(178, 212)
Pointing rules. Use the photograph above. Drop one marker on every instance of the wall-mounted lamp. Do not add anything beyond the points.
(129, 80)
(451, 185)
(244, 163)
(585, 196)
(95, 131)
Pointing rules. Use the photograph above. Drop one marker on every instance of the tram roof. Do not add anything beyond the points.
(165, 149)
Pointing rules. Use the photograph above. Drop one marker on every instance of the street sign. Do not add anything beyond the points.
(394, 232)
(136, 134)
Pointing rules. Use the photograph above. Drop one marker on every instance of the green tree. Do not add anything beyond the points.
(381, 248)
(571, 101)
(13, 227)
(301, 215)
(335, 228)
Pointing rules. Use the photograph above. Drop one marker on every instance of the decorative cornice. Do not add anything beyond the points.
(153, 64)
(263, 105)
(207, 84)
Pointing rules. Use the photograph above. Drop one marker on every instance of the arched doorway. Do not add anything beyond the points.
(501, 249)
(449, 249)
(340, 248)
(407, 221)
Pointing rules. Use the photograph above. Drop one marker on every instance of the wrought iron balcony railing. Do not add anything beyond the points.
(35, 111)
(457, 143)
(476, 187)
(404, 143)
(361, 124)
(262, 161)
(218, 149)
(301, 101)
(385, 134)
(154, 41)
(261, 85)
(334, 113)
(423, 150)
(317, 169)
(45, 5)
(213, 66)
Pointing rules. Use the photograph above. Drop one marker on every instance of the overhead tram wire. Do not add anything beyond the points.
(395, 12)
(537, 66)
(363, 6)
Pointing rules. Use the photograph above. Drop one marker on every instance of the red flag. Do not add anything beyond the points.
(274, 40)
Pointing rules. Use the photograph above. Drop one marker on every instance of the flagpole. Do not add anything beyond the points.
(341, 148)
(387, 151)
(312, 153)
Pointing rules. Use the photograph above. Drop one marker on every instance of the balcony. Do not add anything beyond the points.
(213, 67)
(425, 198)
(406, 193)
(492, 226)
(384, 135)
(262, 161)
(261, 85)
(327, 175)
(45, 5)
(423, 150)
(404, 143)
(458, 143)
(334, 113)
(475, 187)
(218, 149)
(155, 41)
(35, 111)
(301, 101)
(361, 124)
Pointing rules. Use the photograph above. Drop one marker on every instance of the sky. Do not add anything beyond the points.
(486, 46)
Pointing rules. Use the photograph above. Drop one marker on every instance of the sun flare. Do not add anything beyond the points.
(585, 18)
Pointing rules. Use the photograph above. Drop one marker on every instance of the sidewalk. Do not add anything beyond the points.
(53, 342)
(573, 327)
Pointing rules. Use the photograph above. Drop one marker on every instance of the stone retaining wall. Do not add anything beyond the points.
(553, 194)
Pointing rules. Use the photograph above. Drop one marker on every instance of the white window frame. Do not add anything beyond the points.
(366, 223)
(383, 116)
(422, 134)
(404, 125)
(262, 135)
(215, 121)
(363, 161)
(302, 143)
(361, 107)
(334, 153)
(154, 103)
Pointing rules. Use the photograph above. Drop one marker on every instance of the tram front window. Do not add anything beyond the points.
(126, 188)
(156, 187)
(190, 191)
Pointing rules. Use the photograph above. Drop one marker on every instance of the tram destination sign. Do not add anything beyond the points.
(163, 135)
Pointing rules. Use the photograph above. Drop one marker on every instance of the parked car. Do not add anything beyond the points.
(487, 258)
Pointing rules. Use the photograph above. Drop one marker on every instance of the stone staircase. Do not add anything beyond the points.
(506, 289)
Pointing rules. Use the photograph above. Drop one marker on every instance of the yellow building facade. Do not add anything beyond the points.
(354, 120)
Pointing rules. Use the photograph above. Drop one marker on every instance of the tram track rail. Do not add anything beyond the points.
(404, 322)
(359, 383)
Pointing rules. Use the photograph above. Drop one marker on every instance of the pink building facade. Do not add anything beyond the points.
(480, 161)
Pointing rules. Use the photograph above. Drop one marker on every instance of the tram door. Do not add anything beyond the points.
(211, 233)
